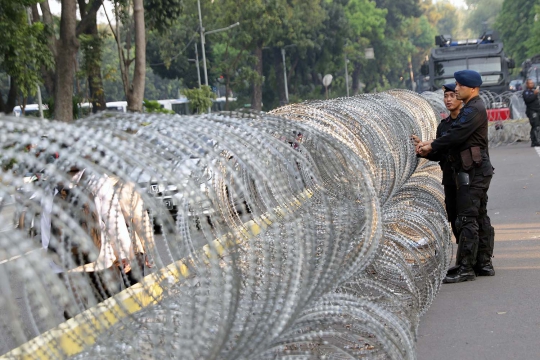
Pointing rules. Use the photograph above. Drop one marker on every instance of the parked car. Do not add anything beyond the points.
(199, 209)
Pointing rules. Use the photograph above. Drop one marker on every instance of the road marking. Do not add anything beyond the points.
(537, 148)
(18, 256)
(74, 335)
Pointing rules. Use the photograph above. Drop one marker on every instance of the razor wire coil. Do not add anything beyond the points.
(312, 231)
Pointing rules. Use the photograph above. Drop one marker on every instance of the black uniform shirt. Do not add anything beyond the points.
(531, 100)
(469, 129)
(440, 156)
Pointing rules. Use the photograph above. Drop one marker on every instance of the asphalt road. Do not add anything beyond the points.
(496, 317)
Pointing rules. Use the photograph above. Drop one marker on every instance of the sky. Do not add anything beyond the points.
(458, 3)
(56, 8)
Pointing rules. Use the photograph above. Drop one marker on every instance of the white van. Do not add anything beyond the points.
(120, 106)
(29, 110)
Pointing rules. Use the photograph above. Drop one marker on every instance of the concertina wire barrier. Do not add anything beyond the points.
(309, 232)
(516, 128)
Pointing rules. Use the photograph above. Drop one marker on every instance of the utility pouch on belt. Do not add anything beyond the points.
(463, 179)
(466, 159)
(476, 156)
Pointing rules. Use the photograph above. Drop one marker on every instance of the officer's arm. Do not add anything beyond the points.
(461, 130)
(434, 155)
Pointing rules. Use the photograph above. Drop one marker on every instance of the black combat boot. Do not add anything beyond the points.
(483, 266)
(467, 257)
(455, 268)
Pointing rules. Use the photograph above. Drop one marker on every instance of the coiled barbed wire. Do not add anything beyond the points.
(511, 129)
(509, 132)
(311, 231)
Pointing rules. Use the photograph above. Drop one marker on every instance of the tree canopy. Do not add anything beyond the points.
(515, 24)
(23, 50)
(280, 52)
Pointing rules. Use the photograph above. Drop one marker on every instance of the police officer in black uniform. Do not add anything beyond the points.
(465, 146)
(454, 106)
(530, 96)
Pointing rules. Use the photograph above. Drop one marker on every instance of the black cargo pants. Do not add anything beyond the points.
(466, 208)
(534, 120)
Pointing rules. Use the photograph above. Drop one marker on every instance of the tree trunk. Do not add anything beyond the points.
(7, 107)
(411, 72)
(35, 13)
(124, 65)
(356, 78)
(48, 20)
(256, 96)
(23, 105)
(95, 81)
(278, 69)
(65, 60)
(88, 26)
(135, 95)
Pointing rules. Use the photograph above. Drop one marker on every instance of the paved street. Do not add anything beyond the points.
(498, 317)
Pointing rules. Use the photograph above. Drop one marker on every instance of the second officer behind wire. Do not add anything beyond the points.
(466, 147)
(530, 97)
(453, 105)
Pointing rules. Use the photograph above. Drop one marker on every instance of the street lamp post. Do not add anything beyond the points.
(346, 75)
(201, 29)
(285, 75)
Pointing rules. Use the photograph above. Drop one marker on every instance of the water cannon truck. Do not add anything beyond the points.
(485, 55)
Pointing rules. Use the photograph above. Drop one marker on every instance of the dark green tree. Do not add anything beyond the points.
(169, 50)
(515, 23)
(23, 51)
(366, 24)
(91, 45)
(533, 41)
(482, 14)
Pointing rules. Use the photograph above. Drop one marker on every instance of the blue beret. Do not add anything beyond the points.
(449, 87)
(469, 78)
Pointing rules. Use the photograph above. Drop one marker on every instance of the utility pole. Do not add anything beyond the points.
(201, 29)
(285, 71)
(346, 75)
(285, 75)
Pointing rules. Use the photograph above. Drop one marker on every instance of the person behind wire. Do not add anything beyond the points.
(453, 105)
(530, 96)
